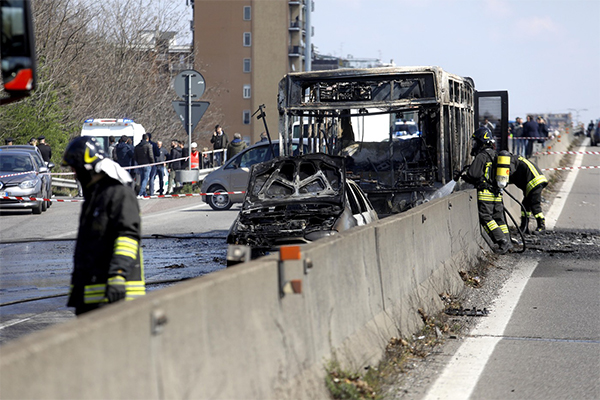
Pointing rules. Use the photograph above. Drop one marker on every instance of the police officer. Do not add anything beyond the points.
(108, 264)
(44, 149)
(525, 175)
(481, 174)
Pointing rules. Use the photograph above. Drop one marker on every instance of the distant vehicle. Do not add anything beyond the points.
(406, 129)
(19, 177)
(102, 128)
(43, 168)
(595, 134)
(233, 175)
(296, 200)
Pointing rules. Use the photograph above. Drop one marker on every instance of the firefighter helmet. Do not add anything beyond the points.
(83, 153)
(484, 136)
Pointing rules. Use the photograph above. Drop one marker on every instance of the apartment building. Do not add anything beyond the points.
(243, 48)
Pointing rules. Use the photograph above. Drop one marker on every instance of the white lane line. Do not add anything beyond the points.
(561, 196)
(13, 322)
(462, 373)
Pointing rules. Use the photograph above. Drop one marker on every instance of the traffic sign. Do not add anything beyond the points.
(196, 86)
(198, 110)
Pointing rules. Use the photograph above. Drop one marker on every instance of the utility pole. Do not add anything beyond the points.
(577, 110)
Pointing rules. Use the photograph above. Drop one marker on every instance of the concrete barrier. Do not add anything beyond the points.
(231, 335)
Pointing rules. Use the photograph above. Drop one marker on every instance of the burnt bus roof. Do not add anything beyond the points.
(387, 87)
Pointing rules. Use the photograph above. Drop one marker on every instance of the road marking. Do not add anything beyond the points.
(565, 189)
(13, 322)
(461, 374)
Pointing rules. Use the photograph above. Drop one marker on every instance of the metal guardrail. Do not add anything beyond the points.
(68, 183)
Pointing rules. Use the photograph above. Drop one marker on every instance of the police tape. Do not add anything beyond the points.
(529, 138)
(570, 168)
(19, 173)
(160, 196)
(543, 153)
(125, 168)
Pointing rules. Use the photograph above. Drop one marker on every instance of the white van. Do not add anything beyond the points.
(102, 128)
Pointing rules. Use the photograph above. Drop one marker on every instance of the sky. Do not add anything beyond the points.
(546, 54)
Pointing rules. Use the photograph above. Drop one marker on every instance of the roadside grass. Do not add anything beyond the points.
(401, 353)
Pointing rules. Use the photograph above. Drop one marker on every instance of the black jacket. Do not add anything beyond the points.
(46, 151)
(173, 155)
(219, 141)
(108, 244)
(143, 153)
(481, 173)
(124, 153)
(525, 175)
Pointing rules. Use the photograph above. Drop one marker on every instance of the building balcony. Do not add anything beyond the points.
(297, 25)
(296, 51)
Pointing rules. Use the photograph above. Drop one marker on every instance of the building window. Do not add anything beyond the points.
(247, 39)
(247, 91)
(247, 13)
(247, 65)
(246, 117)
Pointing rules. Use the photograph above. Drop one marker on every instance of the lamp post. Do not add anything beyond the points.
(577, 110)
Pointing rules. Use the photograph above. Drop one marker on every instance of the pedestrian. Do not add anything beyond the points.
(111, 148)
(8, 141)
(174, 154)
(481, 174)
(160, 168)
(195, 156)
(143, 156)
(124, 156)
(153, 168)
(543, 130)
(108, 256)
(263, 137)
(220, 141)
(486, 123)
(235, 146)
(205, 158)
(517, 132)
(33, 141)
(525, 175)
(530, 129)
(44, 149)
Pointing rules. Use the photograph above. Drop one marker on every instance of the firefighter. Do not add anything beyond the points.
(108, 264)
(525, 175)
(481, 174)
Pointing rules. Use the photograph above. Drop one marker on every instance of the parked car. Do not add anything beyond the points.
(19, 177)
(44, 169)
(232, 176)
(296, 200)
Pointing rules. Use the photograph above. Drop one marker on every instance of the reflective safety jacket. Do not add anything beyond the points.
(108, 244)
(525, 175)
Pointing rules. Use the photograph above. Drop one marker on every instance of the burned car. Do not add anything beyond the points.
(296, 200)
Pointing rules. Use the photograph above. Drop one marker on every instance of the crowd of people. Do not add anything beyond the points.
(167, 162)
(522, 134)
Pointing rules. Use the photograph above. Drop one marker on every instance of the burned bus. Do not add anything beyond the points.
(403, 130)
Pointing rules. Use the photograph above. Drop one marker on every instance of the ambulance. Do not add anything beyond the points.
(103, 128)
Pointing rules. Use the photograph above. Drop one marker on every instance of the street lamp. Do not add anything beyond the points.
(577, 110)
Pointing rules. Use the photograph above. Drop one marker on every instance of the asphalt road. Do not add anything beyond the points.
(542, 339)
(182, 238)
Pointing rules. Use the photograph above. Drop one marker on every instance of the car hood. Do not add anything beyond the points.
(310, 178)
(16, 179)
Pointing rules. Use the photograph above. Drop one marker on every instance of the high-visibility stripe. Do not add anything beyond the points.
(503, 228)
(127, 247)
(486, 195)
(96, 293)
(492, 225)
(539, 215)
(535, 182)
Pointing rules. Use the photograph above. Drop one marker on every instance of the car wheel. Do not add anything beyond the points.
(218, 202)
(49, 203)
(44, 204)
(38, 208)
